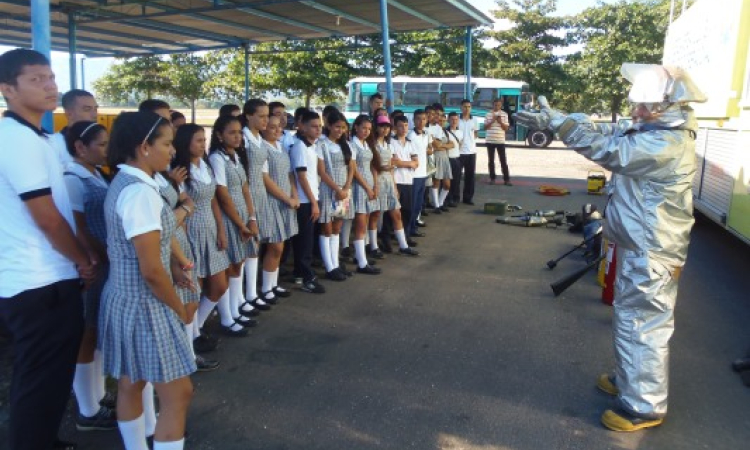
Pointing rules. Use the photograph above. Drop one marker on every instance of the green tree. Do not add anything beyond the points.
(187, 75)
(525, 52)
(133, 80)
(438, 53)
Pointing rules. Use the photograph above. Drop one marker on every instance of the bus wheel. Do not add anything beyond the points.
(539, 138)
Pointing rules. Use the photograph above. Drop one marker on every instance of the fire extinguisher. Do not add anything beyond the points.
(610, 274)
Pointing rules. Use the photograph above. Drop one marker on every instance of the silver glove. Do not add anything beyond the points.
(547, 118)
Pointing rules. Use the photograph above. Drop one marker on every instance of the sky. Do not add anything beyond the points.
(96, 67)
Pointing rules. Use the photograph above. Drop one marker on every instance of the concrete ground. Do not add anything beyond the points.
(466, 348)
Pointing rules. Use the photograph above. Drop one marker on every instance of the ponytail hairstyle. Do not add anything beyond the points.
(182, 140)
(375, 162)
(249, 108)
(129, 132)
(215, 146)
(335, 117)
(84, 131)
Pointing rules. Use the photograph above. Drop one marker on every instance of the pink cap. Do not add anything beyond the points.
(382, 120)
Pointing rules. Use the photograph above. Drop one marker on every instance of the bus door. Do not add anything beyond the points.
(510, 106)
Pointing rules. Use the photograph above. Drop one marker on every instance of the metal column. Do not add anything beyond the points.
(83, 73)
(387, 55)
(41, 40)
(72, 49)
(247, 71)
(467, 62)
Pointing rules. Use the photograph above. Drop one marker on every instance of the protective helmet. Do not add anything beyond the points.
(653, 83)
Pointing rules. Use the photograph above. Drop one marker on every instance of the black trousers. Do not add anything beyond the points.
(45, 325)
(500, 149)
(469, 168)
(303, 242)
(405, 194)
(454, 195)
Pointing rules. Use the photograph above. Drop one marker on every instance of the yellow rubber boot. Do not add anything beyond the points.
(621, 421)
(606, 384)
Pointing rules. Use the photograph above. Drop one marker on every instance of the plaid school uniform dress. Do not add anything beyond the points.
(336, 167)
(139, 336)
(202, 233)
(237, 250)
(269, 218)
(93, 206)
(362, 203)
(387, 199)
(172, 197)
(279, 168)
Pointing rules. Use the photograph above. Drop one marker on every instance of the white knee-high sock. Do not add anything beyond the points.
(100, 380)
(196, 328)
(267, 285)
(235, 296)
(173, 445)
(275, 279)
(373, 239)
(443, 196)
(325, 252)
(204, 310)
(225, 310)
(359, 249)
(401, 236)
(85, 389)
(335, 249)
(133, 433)
(346, 231)
(434, 197)
(149, 410)
(251, 278)
(189, 333)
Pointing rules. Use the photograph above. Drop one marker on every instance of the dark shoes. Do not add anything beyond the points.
(261, 306)
(408, 252)
(313, 287)
(421, 224)
(437, 211)
(468, 202)
(109, 400)
(411, 242)
(246, 321)
(376, 253)
(104, 419)
(418, 234)
(242, 332)
(205, 343)
(368, 270)
(205, 365)
(444, 209)
(336, 275)
(508, 183)
(280, 292)
(252, 313)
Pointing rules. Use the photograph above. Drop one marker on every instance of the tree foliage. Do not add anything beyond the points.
(133, 80)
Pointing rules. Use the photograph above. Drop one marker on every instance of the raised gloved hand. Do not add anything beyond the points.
(547, 118)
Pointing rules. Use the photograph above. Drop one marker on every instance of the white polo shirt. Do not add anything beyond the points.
(29, 167)
(420, 142)
(455, 137)
(467, 129)
(403, 175)
(305, 159)
(139, 205)
(58, 142)
(76, 189)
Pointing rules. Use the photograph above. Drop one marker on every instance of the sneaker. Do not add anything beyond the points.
(205, 343)
(104, 419)
(619, 420)
(336, 275)
(313, 287)
(205, 365)
(369, 270)
(109, 400)
(408, 252)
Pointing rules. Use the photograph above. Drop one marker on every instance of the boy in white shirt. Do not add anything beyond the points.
(79, 105)
(422, 148)
(468, 129)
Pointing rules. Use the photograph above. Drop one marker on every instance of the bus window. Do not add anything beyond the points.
(452, 94)
(483, 98)
(421, 94)
(353, 102)
(398, 93)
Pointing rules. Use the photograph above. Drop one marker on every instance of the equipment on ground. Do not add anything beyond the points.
(559, 286)
(596, 180)
(552, 263)
(555, 191)
(496, 207)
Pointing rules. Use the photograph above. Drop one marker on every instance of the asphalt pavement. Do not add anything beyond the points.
(465, 347)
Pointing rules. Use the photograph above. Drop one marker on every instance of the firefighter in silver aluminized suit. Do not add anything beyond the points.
(649, 216)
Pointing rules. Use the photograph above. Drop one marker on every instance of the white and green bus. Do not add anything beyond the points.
(412, 93)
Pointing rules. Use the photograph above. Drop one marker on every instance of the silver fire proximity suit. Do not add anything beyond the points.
(649, 216)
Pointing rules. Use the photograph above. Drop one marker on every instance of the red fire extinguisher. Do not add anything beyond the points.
(610, 271)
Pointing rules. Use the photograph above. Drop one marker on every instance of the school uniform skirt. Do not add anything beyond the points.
(237, 251)
(337, 169)
(362, 203)
(202, 233)
(279, 167)
(186, 295)
(442, 166)
(387, 200)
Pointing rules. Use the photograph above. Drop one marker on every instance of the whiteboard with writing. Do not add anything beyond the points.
(703, 41)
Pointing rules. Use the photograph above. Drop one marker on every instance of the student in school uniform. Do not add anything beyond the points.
(40, 290)
(278, 109)
(304, 157)
(380, 139)
(205, 228)
(453, 134)
(78, 105)
(87, 188)
(177, 118)
(404, 159)
(441, 144)
(142, 319)
(230, 167)
(365, 193)
(468, 128)
(230, 109)
(421, 144)
(281, 189)
(336, 168)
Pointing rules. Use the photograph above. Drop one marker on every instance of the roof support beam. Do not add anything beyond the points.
(470, 11)
(296, 23)
(414, 13)
(339, 13)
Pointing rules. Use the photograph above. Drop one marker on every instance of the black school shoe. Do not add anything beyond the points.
(444, 209)
(206, 365)
(105, 419)
(280, 292)
(408, 252)
(205, 343)
(313, 287)
(109, 400)
(336, 275)
(375, 253)
(369, 270)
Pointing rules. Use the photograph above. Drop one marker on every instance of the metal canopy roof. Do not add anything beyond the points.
(138, 27)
